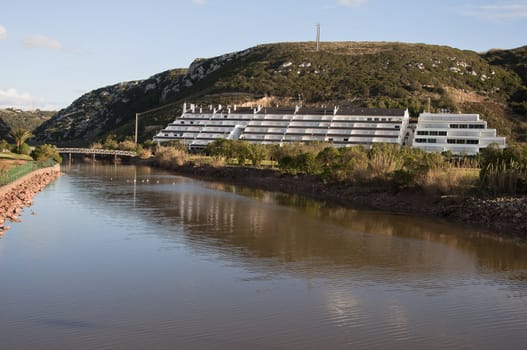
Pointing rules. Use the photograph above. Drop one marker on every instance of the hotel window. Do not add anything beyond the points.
(451, 141)
(431, 140)
(454, 126)
(472, 142)
(422, 133)
(420, 140)
(442, 133)
(433, 133)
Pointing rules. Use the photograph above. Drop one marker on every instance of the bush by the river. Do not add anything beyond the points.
(504, 170)
(45, 152)
(494, 171)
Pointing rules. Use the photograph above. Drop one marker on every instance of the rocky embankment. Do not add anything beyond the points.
(506, 216)
(502, 214)
(19, 194)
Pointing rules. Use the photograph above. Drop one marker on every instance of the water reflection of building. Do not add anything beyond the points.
(319, 237)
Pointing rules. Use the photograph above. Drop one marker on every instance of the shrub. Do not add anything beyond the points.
(170, 157)
(45, 152)
(504, 171)
(23, 149)
(307, 163)
(257, 153)
(4, 146)
(384, 159)
(110, 142)
(145, 153)
(127, 145)
(97, 145)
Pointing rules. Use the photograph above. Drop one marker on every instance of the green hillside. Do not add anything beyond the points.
(11, 118)
(358, 73)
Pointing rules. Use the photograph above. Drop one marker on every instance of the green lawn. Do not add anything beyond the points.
(14, 156)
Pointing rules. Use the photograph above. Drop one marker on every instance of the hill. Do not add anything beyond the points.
(11, 118)
(359, 73)
(4, 130)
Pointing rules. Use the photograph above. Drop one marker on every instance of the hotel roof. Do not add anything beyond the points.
(307, 111)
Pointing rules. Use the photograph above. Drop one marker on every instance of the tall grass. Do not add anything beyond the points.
(170, 157)
(505, 177)
(450, 180)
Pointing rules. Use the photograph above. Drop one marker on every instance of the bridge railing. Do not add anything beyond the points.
(110, 152)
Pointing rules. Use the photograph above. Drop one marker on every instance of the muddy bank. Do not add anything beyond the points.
(506, 216)
(17, 195)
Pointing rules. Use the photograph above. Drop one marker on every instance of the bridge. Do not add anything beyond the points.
(93, 151)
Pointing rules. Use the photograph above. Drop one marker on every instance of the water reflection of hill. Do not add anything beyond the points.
(310, 236)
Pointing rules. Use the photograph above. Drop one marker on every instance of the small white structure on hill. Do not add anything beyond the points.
(198, 126)
(458, 133)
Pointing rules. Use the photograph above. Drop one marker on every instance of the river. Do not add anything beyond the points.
(124, 257)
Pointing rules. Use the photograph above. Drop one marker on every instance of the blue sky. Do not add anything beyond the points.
(53, 51)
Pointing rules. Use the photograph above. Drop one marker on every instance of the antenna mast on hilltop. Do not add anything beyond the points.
(318, 36)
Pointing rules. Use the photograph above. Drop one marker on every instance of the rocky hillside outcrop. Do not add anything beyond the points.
(381, 75)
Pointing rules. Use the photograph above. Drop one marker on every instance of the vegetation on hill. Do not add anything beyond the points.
(514, 60)
(4, 129)
(365, 74)
(17, 118)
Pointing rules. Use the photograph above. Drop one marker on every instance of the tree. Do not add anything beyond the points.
(20, 136)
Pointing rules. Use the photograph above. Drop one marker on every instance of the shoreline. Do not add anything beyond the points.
(504, 216)
(19, 194)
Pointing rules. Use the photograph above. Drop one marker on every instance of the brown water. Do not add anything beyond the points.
(164, 262)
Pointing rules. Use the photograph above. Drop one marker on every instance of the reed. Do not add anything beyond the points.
(170, 157)
(449, 180)
(504, 177)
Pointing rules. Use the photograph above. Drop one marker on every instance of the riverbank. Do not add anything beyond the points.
(19, 194)
(506, 216)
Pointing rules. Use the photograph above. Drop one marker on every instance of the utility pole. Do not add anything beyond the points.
(318, 36)
(429, 103)
(136, 124)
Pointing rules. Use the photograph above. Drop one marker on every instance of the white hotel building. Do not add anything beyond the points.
(458, 133)
(197, 126)
(434, 132)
